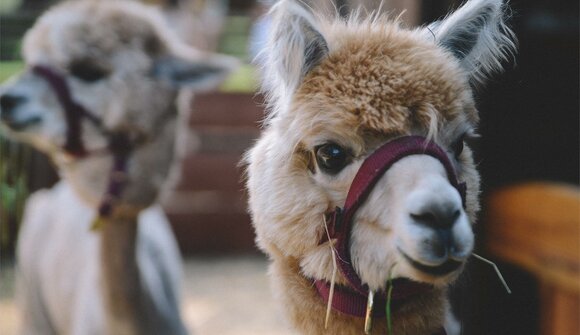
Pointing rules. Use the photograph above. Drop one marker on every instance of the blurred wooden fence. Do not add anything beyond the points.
(208, 207)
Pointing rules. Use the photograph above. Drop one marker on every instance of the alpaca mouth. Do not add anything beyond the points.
(443, 269)
(20, 125)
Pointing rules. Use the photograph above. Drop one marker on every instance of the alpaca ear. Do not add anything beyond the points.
(476, 34)
(196, 74)
(295, 46)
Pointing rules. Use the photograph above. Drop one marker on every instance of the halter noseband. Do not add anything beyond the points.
(348, 300)
(119, 143)
(73, 110)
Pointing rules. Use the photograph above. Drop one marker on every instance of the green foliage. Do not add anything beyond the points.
(243, 80)
(234, 39)
(389, 313)
(8, 6)
(9, 68)
(14, 158)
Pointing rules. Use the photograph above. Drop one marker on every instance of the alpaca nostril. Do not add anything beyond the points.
(446, 237)
(8, 103)
(427, 219)
(455, 215)
(444, 245)
(436, 218)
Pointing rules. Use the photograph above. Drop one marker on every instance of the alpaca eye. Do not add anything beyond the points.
(87, 71)
(457, 146)
(331, 157)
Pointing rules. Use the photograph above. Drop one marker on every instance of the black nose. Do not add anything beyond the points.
(441, 220)
(436, 218)
(8, 104)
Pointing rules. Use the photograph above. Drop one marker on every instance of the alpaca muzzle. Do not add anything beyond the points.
(349, 300)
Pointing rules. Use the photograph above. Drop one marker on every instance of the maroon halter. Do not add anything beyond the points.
(73, 110)
(352, 300)
(119, 144)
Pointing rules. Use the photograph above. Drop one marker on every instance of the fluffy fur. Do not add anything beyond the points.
(359, 83)
(123, 65)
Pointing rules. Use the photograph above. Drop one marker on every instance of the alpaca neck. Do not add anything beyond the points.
(126, 301)
(131, 306)
(133, 303)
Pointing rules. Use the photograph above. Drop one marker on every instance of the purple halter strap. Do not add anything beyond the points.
(119, 144)
(73, 110)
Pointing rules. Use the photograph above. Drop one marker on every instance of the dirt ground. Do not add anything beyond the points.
(223, 296)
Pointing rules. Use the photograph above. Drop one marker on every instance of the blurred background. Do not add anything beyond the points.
(528, 156)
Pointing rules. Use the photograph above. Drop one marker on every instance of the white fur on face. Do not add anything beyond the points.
(37, 117)
(384, 227)
(288, 207)
(125, 41)
(40, 118)
(123, 65)
(125, 96)
(121, 96)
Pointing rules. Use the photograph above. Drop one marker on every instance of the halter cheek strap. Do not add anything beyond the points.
(119, 143)
(73, 110)
(352, 300)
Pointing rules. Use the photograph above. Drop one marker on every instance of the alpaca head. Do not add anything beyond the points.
(338, 90)
(120, 63)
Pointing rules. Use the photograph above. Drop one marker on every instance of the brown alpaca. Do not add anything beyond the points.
(344, 95)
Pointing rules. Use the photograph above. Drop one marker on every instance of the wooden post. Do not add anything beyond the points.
(537, 227)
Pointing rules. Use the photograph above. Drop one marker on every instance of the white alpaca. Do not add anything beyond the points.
(371, 118)
(119, 63)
